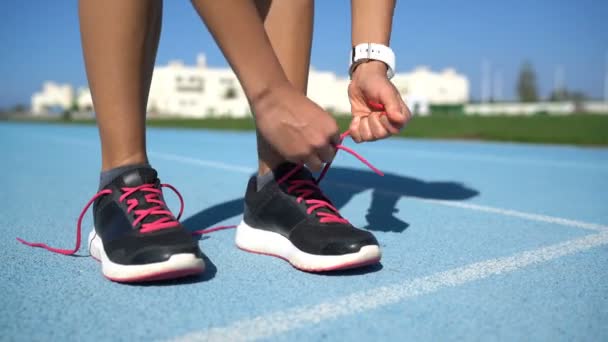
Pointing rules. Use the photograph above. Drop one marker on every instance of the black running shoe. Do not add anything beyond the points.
(291, 218)
(136, 238)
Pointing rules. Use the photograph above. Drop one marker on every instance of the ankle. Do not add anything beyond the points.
(114, 163)
(107, 176)
(263, 169)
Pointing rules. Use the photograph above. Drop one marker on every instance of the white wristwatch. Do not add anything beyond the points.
(371, 51)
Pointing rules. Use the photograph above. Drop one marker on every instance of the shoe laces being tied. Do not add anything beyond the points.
(153, 218)
(303, 188)
(306, 189)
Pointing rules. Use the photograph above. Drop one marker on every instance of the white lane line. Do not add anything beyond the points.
(202, 162)
(444, 156)
(455, 204)
(278, 322)
(283, 321)
(527, 216)
(167, 156)
(488, 209)
(486, 158)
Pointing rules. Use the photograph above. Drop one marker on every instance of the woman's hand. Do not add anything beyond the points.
(295, 127)
(378, 109)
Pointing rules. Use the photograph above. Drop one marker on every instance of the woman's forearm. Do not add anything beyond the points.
(240, 34)
(372, 21)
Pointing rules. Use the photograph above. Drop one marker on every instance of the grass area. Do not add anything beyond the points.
(577, 129)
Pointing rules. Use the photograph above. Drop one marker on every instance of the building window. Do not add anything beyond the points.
(227, 81)
(192, 84)
(230, 93)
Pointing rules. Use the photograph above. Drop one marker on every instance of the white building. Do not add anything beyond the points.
(199, 91)
(53, 95)
(423, 87)
(84, 99)
(328, 91)
(196, 91)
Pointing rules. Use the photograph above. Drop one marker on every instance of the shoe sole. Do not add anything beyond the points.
(178, 266)
(259, 241)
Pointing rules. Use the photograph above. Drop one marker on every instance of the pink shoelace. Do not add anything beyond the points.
(167, 220)
(302, 188)
(306, 188)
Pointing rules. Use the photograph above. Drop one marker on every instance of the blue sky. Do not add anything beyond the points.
(40, 41)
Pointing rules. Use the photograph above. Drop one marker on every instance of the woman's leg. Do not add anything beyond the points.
(119, 40)
(136, 237)
(289, 25)
(268, 46)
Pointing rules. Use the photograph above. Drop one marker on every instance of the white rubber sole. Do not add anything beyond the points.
(179, 265)
(262, 241)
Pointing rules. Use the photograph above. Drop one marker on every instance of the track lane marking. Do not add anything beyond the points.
(488, 209)
(278, 322)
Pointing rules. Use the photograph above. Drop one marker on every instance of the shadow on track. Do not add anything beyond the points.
(342, 184)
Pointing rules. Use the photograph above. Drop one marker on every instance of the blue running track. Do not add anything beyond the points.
(481, 241)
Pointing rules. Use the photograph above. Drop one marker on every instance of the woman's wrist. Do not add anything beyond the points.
(264, 96)
(371, 67)
(260, 93)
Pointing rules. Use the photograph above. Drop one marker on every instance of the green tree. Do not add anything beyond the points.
(560, 94)
(526, 84)
(66, 115)
(74, 107)
(576, 97)
(19, 108)
(567, 95)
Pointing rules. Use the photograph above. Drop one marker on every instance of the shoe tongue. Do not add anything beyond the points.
(303, 173)
(133, 178)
